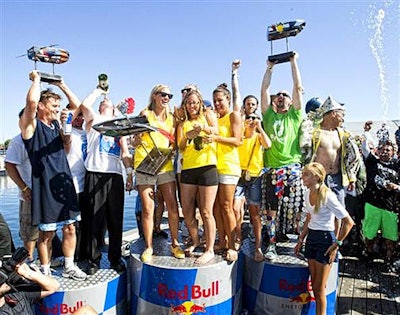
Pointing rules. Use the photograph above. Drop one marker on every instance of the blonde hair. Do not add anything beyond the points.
(318, 170)
(185, 99)
(153, 92)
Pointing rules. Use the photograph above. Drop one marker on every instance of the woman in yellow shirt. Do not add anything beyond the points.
(199, 176)
(228, 140)
(159, 116)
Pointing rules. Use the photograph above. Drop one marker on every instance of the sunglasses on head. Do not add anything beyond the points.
(164, 94)
(187, 90)
(283, 94)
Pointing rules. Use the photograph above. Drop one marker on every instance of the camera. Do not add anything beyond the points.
(17, 257)
(7, 271)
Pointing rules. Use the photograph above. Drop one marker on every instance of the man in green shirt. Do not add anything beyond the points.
(282, 189)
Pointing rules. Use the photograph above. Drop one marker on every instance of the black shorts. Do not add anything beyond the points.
(201, 176)
(317, 244)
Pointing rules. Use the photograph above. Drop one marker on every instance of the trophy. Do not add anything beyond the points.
(280, 31)
(49, 54)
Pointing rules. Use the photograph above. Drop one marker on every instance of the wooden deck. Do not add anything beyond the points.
(367, 288)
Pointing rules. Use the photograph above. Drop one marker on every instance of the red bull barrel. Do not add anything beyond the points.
(282, 287)
(167, 285)
(105, 291)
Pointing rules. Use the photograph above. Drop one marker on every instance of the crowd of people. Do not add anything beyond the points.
(294, 174)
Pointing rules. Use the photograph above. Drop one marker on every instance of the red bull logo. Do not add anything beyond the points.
(303, 298)
(195, 291)
(62, 308)
(188, 308)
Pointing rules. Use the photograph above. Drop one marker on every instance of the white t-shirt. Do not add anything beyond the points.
(76, 158)
(17, 154)
(103, 152)
(324, 219)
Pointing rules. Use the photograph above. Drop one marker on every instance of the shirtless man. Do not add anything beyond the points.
(329, 142)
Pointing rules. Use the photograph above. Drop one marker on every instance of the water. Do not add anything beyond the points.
(9, 208)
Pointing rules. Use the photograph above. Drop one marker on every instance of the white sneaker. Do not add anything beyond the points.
(74, 273)
(271, 254)
(46, 272)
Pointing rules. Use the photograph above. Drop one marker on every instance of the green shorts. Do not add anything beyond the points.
(379, 219)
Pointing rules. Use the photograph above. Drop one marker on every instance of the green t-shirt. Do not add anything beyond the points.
(283, 130)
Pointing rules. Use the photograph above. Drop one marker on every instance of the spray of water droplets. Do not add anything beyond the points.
(376, 45)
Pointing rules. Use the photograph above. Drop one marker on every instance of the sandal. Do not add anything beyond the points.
(177, 252)
(231, 255)
(146, 255)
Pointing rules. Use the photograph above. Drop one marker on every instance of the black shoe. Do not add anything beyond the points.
(92, 268)
(119, 266)
(282, 238)
(160, 234)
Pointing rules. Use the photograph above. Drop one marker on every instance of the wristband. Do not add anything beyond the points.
(339, 243)
(24, 189)
(129, 170)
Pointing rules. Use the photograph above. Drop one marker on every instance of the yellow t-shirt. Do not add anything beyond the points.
(193, 158)
(256, 158)
(227, 155)
(160, 140)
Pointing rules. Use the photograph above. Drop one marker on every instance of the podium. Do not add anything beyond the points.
(282, 287)
(105, 291)
(167, 285)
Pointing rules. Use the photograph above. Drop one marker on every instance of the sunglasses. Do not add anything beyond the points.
(187, 90)
(251, 117)
(283, 94)
(164, 94)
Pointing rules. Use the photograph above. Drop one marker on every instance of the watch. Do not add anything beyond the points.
(340, 243)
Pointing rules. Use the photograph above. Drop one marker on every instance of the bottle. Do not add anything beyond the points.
(67, 127)
(103, 81)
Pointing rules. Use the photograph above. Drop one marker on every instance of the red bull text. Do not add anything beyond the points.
(188, 292)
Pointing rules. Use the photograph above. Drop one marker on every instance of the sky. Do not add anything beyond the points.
(349, 49)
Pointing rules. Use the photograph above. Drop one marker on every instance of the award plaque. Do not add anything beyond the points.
(283, 31)
(48, 54)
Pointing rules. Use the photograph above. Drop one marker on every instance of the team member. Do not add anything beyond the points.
(54, 198)
(159, 116)
(104, 185)
(199, 177)
(228, 139)
(282, 190)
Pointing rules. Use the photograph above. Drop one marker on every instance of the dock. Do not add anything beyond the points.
(367, 287)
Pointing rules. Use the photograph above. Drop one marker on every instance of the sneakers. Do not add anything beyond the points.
(271, 254)
(178, 252)
(74, 273)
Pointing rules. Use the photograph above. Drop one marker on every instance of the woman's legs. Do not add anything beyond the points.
(319, 277)
(207, 195)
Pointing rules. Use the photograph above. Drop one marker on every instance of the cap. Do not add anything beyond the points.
(329, 105)
(207, 103)
(313, 104)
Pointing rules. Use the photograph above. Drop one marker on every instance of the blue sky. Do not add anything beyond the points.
(142, 43)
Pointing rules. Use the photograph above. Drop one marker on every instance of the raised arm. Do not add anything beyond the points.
(236, 97)
(264, 139)
(265, 93)
(73, 100)
(87, 107)
(27, 122)
(297, 94)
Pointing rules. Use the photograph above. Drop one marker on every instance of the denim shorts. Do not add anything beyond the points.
(250, 190)
(317, 244)
(50, 227)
